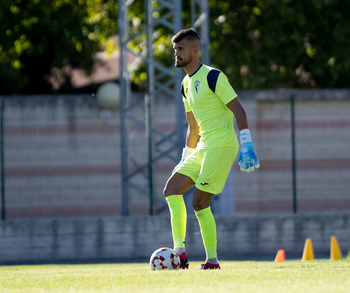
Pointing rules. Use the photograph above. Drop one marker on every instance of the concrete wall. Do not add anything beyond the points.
(135, 238)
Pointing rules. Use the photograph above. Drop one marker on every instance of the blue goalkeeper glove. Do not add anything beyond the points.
(247, 160)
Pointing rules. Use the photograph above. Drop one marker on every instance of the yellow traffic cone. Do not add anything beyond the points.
(335, 251)
(308, 253)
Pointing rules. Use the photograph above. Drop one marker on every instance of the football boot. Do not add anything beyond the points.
(184, 261)
(210, 266)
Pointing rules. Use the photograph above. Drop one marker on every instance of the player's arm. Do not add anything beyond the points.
(247, 159)
(240, 115)
(192, 128)
(191, 137)
(192, 131)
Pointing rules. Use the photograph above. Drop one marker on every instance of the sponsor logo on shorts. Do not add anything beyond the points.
(205, 183)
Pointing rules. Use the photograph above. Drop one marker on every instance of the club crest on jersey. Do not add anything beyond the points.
(196, 85)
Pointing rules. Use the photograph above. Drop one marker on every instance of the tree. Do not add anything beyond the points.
(38, 36)
(272, 43)
(275, 43)
(257, 43)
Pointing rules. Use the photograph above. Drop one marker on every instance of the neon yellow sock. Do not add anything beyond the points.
(178, 219)
(208, 230)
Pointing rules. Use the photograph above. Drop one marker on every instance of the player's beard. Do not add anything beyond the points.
(183, 62)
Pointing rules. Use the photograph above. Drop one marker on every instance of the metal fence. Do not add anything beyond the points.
(60, 156)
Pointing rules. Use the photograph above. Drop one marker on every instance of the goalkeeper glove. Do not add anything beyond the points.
(186, 152)
(247, 159)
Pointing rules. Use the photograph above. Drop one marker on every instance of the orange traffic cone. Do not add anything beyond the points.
(280, 256)
(335, 250)
(308, 253)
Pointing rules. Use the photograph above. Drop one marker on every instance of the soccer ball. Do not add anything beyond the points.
(108, 96)
(164, 259)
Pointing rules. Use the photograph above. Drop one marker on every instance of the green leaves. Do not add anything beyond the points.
(277, 41)
(38, 36)
(257, 43)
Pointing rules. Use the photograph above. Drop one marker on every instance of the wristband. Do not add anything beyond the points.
(245, 136)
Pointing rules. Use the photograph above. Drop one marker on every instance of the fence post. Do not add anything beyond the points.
(2, 106)
(292, 100)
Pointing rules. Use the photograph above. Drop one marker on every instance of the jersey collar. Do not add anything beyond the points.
(196, 70)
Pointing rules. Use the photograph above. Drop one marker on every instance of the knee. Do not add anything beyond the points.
(201, 200)
(168, 190)
(177, 184)
(197, 204)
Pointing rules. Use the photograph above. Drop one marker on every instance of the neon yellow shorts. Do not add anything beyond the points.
(209, 168)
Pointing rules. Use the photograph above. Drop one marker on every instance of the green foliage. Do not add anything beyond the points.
(270, 43)
(289, 43)
(40, 35)
(257, 43)
(162, 47)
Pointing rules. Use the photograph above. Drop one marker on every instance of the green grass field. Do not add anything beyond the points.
(236, 276)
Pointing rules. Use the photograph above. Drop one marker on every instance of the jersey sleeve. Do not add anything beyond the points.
(184, 99)
(187, 106)
(224, 90)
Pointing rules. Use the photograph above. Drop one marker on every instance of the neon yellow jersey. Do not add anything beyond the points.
(206, 93)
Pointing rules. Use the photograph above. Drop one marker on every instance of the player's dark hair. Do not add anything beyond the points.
(189, 34)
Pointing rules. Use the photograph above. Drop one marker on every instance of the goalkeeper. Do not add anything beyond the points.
(210, 104)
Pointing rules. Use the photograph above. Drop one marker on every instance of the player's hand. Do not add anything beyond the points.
(186, 152)
(247, 159)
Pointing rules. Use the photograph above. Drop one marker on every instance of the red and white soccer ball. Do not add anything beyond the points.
(165, 259)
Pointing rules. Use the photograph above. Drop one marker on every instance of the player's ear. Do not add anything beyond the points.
(196, 50)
